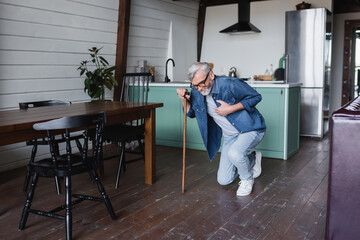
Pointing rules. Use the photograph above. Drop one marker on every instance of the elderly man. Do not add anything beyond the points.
(225, 106)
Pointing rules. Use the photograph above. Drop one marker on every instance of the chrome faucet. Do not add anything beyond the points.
(167, 79)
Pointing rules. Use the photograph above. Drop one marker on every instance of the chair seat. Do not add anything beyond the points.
(45, 167)
(121, 133)
(57, 139)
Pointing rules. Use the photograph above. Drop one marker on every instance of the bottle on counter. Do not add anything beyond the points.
(152, 72)
(266, 72)
(271, 71)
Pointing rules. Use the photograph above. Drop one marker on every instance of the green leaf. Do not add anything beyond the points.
(114, 80)
(103, 59)
(108, 85)
(97, 94)
(87, 83)
(89, 74)
(104, 64)
(110, 69)
(97, 72)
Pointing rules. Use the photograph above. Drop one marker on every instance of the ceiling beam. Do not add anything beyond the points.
(201, 23)
(224, 2)
(346, 6)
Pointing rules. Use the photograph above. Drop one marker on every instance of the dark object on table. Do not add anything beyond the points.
(45, 103)
(279, 74)
(68, 165)
(343, 212)
(303, 5)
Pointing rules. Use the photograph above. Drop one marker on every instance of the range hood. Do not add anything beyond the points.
(243, 25)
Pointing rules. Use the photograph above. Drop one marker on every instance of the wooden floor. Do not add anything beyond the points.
(288, 201)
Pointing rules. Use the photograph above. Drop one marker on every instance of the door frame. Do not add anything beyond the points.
(347, 75)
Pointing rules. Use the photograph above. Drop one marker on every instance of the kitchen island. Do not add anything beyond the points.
(280, 107)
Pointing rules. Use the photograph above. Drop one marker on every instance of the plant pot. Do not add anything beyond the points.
(303, 5)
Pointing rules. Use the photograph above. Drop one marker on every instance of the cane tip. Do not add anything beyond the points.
(182, 191)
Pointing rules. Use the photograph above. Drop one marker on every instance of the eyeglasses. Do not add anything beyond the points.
(200, 84)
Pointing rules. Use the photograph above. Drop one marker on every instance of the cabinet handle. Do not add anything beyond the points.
(281, 92)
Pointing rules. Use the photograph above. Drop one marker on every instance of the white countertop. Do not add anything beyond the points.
(269, 84)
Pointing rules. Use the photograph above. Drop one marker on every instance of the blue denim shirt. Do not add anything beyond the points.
(232, 91)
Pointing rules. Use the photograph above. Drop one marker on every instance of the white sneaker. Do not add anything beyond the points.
(245, 187)
(257, 167)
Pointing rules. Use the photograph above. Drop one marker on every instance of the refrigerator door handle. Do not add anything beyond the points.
(286, 68)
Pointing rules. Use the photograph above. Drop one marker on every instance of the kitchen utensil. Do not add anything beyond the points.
(232, 72)
(142, 63)
(211, 65)
(279, 74)
(263, 77)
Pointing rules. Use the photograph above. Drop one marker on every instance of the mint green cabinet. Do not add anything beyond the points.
(168, 118)
(193, 135)
(280, 107)
(272, 109)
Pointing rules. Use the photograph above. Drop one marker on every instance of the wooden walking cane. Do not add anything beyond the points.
(184, 144)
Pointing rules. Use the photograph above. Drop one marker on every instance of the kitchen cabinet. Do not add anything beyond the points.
(169, 120)
(280, 107)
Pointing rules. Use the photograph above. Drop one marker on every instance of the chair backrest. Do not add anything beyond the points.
(26, 105)
(135, 87)
(75, 123)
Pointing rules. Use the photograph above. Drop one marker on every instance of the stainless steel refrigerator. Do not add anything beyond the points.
(308, 61)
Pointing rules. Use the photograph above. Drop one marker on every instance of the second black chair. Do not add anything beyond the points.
(135, 88)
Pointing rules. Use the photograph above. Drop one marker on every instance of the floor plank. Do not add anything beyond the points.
(288, 201)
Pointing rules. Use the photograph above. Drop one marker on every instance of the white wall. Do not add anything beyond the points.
(41, 46)
(42, 43)
(151, 24)
(251, 54)
(337, 59)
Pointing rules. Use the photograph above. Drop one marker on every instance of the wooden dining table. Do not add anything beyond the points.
(17, 125)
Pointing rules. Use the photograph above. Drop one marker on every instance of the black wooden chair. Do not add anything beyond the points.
(36, 142)
(135, 88)
(68, 165)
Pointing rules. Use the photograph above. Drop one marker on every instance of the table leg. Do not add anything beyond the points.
(150, 161)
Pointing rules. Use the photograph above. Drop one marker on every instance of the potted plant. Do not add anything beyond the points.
(102, 76)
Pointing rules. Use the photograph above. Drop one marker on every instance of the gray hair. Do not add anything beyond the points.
(196, 66)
